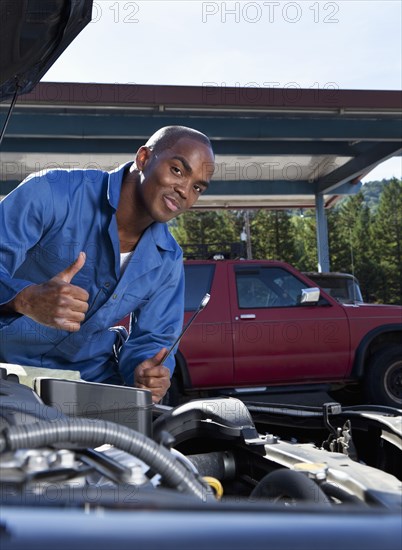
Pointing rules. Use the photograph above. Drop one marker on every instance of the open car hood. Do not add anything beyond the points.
(34, 33)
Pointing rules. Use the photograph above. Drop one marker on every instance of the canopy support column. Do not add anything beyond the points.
(322, 234)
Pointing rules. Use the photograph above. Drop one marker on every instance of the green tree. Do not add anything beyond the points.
(387, 242)
(305, 239)
(351, 242)
(372, 191)
(202, 234)
(272, 236)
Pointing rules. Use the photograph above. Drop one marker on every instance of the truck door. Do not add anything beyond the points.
(207, 345)
(276, 338)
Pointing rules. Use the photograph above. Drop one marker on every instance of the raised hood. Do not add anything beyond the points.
(34, 33)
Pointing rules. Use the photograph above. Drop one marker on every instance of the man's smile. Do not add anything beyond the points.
(172, 203)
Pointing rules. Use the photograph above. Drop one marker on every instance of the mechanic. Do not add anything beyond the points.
(82, 249)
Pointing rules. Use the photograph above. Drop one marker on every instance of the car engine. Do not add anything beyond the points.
(91, 447)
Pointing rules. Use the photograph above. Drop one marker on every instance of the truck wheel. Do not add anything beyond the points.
(384, 377)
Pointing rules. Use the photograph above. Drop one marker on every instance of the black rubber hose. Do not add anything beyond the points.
(93, 433)
(221, 465)
(289, 484)
(337, 492)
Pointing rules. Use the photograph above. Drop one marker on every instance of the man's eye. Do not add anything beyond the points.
(176, 170)
(198, 189)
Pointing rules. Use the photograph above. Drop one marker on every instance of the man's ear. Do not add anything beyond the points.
(142, 157)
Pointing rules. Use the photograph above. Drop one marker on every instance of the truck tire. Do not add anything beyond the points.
(383, 382)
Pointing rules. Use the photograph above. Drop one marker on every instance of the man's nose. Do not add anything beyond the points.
(182, 188)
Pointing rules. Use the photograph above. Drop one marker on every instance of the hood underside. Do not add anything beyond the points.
(34, 33)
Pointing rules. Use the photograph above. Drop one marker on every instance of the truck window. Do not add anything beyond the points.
(198, 282)
(345, 289)
(267, 287)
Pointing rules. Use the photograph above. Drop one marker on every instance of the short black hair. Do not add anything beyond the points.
(166, 137)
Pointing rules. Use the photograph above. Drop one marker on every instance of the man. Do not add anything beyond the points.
(81, 249)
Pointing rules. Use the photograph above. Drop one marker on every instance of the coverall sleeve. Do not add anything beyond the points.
(24, 216)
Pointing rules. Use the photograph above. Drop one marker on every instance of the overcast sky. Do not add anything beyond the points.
(346, 44)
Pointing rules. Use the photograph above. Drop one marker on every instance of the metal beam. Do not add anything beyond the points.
(273, 187)
(259, 187)
(216, 97)
(347, 188)
(230, 188)
(322, 234)
(117, 125)
(221, 147)
(82, 146)
(354, 168)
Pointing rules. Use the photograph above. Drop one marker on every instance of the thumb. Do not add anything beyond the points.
(72, 270)
(158, 357)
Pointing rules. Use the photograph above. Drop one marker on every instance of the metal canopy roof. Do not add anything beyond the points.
(275, 148)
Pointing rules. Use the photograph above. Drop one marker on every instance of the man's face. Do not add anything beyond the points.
(173, 179)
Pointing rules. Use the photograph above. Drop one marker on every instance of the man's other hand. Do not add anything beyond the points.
(151, 375)
(56, 303)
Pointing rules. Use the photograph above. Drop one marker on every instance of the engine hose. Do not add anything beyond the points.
(93, 433)
(337, 492)
(221, 465)
(289, 484)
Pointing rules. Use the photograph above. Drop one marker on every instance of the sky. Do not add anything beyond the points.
(346, 44)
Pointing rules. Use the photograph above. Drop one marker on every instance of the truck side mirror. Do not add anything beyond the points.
(310, 295)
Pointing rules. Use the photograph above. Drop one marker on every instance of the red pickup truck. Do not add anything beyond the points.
(257, 332)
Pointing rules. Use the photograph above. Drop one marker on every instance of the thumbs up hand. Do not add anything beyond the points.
(56, 303)
(72, 269)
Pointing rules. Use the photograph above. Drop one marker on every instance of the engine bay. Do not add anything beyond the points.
(91, 447)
